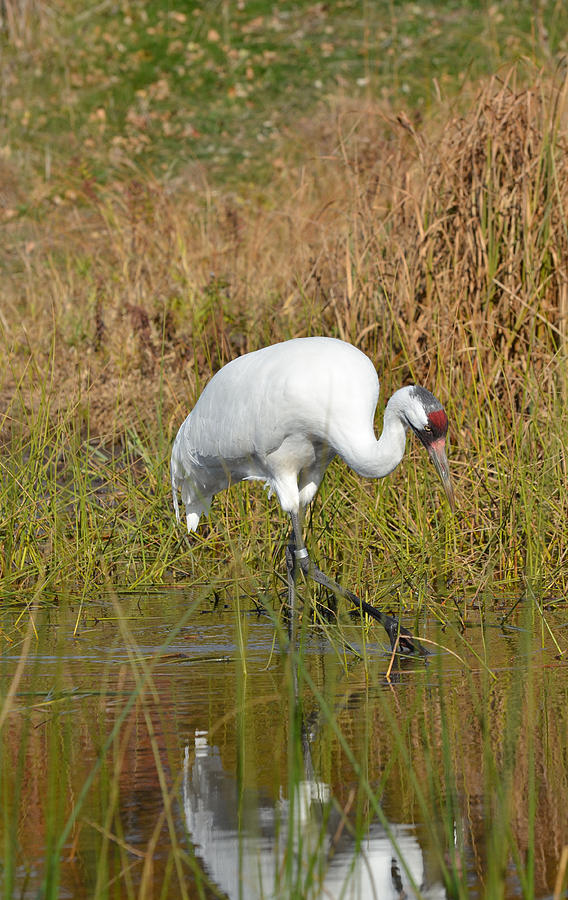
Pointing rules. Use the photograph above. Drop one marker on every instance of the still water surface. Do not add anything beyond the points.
(319, 780)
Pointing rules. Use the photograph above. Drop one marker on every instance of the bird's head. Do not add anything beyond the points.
(424, 414)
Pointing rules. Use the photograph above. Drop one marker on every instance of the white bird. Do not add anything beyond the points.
(279, 415)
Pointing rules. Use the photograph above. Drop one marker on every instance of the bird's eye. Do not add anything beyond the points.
(427, 428)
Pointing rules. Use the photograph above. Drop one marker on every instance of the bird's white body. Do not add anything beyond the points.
(280, 415)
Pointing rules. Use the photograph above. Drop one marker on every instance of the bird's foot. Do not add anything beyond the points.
(401, 638)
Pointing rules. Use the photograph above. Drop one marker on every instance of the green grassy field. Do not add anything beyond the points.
(90, 91)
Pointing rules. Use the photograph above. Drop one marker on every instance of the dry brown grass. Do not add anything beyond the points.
(440, 249)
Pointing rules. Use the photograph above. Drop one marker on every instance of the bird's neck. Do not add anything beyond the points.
(377, 458)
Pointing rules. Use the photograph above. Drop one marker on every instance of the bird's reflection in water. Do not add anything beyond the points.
(244, 841)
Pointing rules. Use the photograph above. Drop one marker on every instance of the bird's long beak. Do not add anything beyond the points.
(437, 453)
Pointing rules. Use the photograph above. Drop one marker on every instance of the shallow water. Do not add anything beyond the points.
(314, 779)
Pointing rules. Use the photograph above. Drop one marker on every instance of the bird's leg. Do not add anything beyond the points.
(292, 574)
(297, 556)
(296, 553)
(400, 638)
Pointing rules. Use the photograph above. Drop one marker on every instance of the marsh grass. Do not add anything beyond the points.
(439, 251)
(480, 775)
